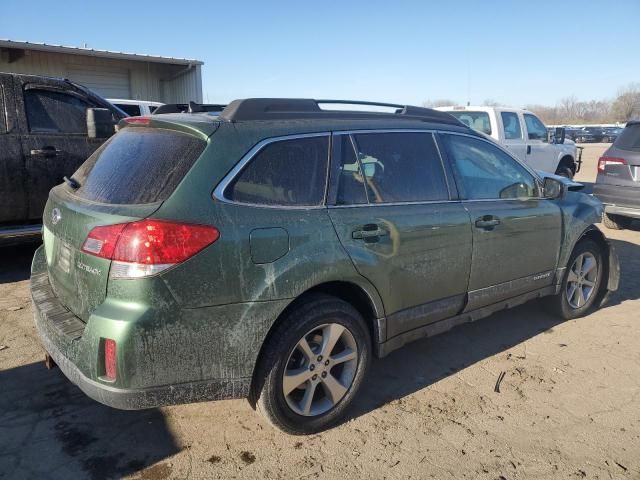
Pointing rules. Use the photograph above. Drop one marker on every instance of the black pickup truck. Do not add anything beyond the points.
(48, 127)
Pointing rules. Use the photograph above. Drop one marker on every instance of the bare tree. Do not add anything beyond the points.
(490, 102)
(443, 102)
(628, 102)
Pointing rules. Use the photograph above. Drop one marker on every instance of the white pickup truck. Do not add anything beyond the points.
(524, 135)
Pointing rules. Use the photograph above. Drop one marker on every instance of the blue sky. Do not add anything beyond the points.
(514, 52)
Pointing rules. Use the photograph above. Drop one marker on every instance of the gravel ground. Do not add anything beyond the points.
(567, 407)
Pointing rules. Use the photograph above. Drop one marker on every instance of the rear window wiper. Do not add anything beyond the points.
(73, 183)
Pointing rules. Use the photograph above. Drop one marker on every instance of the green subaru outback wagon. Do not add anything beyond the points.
(272, 250)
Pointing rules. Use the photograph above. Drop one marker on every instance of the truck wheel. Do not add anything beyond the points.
(581, 281)
(313, 366)
(616, 222)
(565, 171)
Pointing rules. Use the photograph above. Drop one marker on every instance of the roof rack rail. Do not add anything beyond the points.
(307, 108)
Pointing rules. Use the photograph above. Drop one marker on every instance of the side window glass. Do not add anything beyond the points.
(3, 115)
(511, 123)
(289, 172)
(351, 189)
(486, 172)
(401, 167)
(133, 110)
(55, 112)
(536, 129)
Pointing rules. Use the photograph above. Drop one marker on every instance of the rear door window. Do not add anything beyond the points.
(400, 167)
(138, 165)
(351, 189)
(286, 173)
(629, 139)
(511, 124)
(55, 112)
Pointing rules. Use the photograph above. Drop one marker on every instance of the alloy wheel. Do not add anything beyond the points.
(581, 282)
(320, 369)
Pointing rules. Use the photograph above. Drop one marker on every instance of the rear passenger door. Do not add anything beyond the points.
(516, 233)
(13, 198)
(392, 210)
(55, 142)
(513, 135)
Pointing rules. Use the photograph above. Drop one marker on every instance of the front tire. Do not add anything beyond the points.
(313, 366)
(581, 282)
(565, 171)
(616, 222)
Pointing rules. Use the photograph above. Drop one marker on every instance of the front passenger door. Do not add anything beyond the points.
(516, 233)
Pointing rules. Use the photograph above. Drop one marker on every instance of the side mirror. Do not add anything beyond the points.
(559, 135)
(553, 188)
(99, 123)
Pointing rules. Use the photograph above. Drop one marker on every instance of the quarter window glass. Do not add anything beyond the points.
(477, 120)
(401, 167)
(536, 129)
(289, 172)
(351, 188)
(55, 112)
(483, 171)
(511, 123)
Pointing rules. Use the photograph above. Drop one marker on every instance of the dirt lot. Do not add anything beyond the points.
(567, 407)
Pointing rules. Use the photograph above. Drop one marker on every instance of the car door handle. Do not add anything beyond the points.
(369, 231)
(45, 152)
(487, 222)
(528, 149)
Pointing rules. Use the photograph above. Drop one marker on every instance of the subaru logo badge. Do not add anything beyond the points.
(56, 216)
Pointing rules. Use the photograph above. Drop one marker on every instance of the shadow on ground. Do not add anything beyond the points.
(50, 429)
(15, 261)
(425, 362)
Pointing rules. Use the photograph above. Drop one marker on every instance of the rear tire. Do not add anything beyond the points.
(300, 360)
(581, 281)
(616, 222)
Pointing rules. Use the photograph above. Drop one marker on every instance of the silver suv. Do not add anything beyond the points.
(618, 182)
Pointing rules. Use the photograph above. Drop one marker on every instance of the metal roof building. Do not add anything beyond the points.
(110, 74)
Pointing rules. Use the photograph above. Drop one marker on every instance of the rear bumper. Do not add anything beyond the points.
(75, 347)
(619, 200)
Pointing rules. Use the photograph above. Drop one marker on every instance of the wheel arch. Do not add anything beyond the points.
(364, 298)
(567, 160)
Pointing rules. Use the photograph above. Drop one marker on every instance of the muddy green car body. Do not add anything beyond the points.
(196, 331)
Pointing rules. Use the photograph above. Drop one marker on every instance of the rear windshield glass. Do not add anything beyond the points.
(477, 120)
(629, 139)
(138, 165)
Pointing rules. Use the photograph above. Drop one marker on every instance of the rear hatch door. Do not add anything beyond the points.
(627, 147)
(126, 179)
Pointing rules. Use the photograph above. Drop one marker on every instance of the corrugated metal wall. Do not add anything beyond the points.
(114, 78)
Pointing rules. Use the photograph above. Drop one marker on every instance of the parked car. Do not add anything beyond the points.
(48, 128)
(524, 135)
(579, 135)
(135, 108)
(271, 251)
(599, 133)
(618, 181)
(611, 133)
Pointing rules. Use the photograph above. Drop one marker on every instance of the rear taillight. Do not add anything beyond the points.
(604, 161)
(147, 247)
(110, 359)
